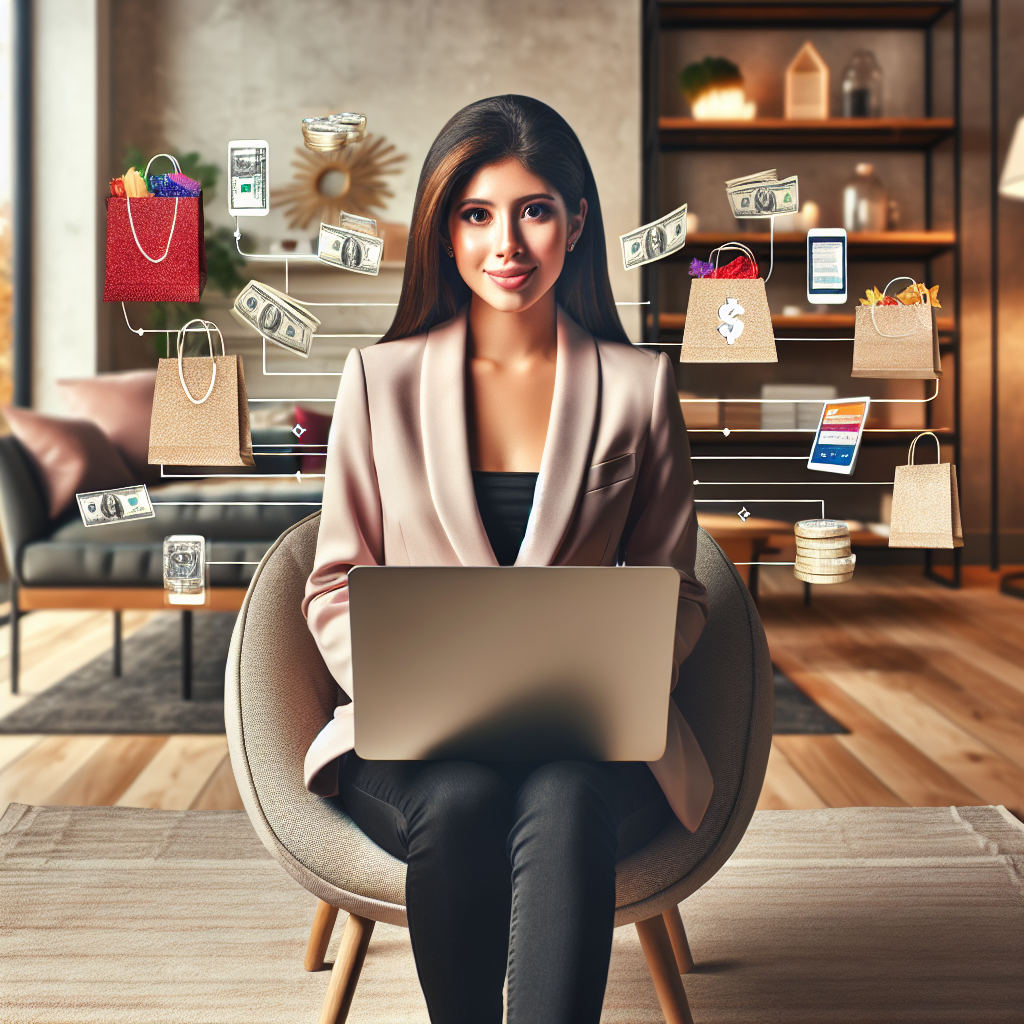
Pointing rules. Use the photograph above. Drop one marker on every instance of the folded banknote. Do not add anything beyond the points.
(278, 317)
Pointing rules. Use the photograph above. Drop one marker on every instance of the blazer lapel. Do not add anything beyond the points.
(446, 440)
(566, 457)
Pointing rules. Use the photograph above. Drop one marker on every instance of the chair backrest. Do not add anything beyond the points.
(726, 694)
(279, 693)
(24, 510)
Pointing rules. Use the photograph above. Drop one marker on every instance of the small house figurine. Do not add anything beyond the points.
(807, 86)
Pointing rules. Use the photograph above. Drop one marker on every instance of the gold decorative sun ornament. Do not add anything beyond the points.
(350, 179)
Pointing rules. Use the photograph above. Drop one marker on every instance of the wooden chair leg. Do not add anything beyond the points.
(680, 945)
(320, 935)
(345, 973)
(657, 947)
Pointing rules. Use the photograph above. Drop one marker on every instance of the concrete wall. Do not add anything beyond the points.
(68, 227)
(193, 74)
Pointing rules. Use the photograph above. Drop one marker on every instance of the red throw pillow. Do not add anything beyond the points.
(121, 405)
(318, 429)
(71, 455)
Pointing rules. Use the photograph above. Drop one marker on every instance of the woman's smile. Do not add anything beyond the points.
(510, 278)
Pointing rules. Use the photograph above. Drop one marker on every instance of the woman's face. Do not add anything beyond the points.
(509, 231)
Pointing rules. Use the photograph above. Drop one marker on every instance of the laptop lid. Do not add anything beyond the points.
(512, 663)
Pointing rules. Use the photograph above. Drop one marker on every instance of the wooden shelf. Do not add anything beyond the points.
(869, 245)
(814, 324)
(784, 439)
(802, 13)
(837, 133)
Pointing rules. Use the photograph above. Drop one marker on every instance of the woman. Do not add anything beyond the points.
(505, 418)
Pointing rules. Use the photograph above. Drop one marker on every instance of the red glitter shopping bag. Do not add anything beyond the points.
(156, 249)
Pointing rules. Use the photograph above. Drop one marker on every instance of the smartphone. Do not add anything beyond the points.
(249, 178)
(826, 266)
(837, 440)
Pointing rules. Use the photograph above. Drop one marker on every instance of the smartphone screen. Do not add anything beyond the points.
(837, 441)
(826, 266)
(248, 178)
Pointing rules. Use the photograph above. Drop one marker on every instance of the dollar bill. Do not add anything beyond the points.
(350, 250)
(118, 505)
(770, 175)
(248, 178)
(278, 317)
(353, 222)
(185, 568)
(763, 197)
(654, 241)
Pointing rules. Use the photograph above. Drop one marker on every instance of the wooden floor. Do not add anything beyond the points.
(928, 681)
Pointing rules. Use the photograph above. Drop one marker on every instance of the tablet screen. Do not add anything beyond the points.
(826, 265)
(837, 441)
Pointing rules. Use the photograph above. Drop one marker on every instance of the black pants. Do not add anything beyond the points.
(510, 865)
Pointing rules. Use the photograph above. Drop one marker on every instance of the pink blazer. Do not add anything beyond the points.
(399, 491)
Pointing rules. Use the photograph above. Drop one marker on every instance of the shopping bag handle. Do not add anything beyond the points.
(926, 300)
(736, 246)
(913, 445)
(138, 244)
(181, 347)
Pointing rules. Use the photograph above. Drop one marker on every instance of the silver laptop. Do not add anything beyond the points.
(508, 664)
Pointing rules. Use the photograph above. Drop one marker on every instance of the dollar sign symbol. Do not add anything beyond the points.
(732, 327)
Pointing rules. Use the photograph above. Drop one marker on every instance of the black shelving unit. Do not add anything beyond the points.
(923, 135)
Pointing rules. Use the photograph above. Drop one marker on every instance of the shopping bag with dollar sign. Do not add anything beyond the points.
(728, 319)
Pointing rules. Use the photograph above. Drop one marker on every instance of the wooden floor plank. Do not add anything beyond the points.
(784, 788)
(34, 776)
(55, 644)
(1001, 731)
(108, 774)
(177, 774)
(834, 773)
(220, 792)
(14, 746)
(973, 763)
(911, 775)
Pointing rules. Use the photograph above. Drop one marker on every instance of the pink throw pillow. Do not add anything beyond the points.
(71, 455)
(121, 405)
(318, 428)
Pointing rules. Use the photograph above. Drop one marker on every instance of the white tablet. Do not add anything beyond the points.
(837, 441)
(826, 266)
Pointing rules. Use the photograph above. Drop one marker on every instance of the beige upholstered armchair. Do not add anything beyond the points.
(279, 694)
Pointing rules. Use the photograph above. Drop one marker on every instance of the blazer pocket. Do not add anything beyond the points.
(604, 474)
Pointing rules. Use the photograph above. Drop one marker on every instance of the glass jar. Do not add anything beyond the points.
(862, 86)
(865, 201)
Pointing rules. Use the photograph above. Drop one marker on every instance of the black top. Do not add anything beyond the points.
(505, 501)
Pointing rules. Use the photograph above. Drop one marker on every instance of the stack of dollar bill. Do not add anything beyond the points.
(823, 551)
(654, 241)
(278, 317)
(185, 569)
(118, 505)
(763, 195)
(352, 245)
(328, 134)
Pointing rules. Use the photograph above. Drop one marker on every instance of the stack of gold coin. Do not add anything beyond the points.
(328, 134)
(823, 551)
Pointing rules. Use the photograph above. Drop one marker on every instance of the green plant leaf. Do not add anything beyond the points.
(695, 79)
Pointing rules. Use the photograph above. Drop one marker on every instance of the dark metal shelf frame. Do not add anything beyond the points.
(674, 15)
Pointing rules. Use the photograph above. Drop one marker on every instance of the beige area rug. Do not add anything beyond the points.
(856, 915)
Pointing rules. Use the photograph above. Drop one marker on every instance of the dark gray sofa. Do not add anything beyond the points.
(63, 564)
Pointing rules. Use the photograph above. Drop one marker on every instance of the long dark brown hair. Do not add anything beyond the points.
(487, 132)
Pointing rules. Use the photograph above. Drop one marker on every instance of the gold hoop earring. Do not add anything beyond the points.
(451, 252)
